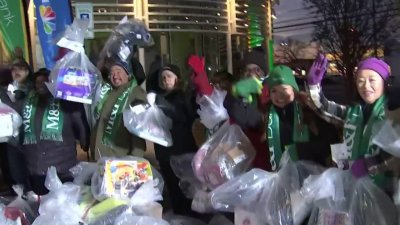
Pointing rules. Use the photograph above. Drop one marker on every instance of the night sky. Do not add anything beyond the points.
(290, 13)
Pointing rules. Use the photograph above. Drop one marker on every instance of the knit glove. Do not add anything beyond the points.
(317, 70)
(199, 75)
(359, 168)
(246, 87)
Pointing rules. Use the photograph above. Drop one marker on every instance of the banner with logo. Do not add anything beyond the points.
(13, 31)
(84, 11)
(52, 18)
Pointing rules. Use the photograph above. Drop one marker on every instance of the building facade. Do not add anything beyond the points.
(217, 29)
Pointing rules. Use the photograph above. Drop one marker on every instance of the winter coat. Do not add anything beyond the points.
(62, 155)
(317, 149)
(125, 143)
(182, 112)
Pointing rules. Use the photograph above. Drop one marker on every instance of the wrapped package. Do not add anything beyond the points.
(19, 209)
(121, 178)
(227, 154)
(272, 197)
(10, 122)
(388, 138)
(211, 108)
(370, 205)
(74, 77)
(149, 122)
(60, 205)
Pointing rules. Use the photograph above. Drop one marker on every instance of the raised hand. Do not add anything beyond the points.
(197, 64)
(318, 70)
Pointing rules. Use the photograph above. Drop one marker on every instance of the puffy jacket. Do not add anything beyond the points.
(62, 155)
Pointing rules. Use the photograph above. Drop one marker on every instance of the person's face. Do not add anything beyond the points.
(281, 95)
(19, 74)
(40, 84)
(254, 70)
(118, 76)
(370, 85)
(169, 80)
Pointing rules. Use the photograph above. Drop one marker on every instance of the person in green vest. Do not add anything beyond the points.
(359, 118)
(110, 138)
(289, 123)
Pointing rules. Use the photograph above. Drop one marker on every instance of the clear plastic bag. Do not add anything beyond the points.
(10, 122)
(212, 110)
(83, 172)
(182, 220)
(149, 122)
(370, 205)
(121, 178)
(182, 167)
(227, 154)
(388, 138)
(330, 194)
(126, 35)
(140, 220)
(273, 197)
(60, 205)
(7, 221)
(74, 77)
(19, 208)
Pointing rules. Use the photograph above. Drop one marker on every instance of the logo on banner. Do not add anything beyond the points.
(48, 15)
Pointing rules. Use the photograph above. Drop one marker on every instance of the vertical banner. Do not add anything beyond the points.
(52, 17)
(13, 30)
(84, 11)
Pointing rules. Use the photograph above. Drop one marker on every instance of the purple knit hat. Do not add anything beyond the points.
(376, 65)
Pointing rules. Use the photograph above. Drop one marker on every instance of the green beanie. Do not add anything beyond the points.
(282, 75)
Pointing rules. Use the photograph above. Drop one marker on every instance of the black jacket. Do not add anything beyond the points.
(393, 94)
(62, 155)
(182, 112)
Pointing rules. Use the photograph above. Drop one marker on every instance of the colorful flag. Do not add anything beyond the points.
(13, 30)
(52, 17)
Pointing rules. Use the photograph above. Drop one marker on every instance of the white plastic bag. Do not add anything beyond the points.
(10, 122)
(121, 178)
(60, 205)
(212, 110)
(149, 122)
(388, 138)
(227, 154)
(74, 77)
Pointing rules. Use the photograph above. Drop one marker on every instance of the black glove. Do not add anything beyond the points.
(19, 94)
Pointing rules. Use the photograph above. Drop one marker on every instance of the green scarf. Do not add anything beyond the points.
(52, 122)
(358, 137)
(300, 134)
(114, 121)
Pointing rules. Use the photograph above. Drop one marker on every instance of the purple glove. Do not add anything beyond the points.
(359, 168)
(317, 70)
